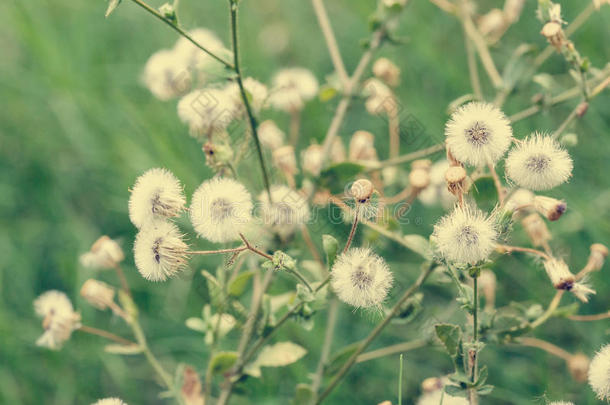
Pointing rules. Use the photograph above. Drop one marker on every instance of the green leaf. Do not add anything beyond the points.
(485, 389)
(304, 294)
(238, 285)
(222, 362)
(327, 93)
(450, 336)
(112, 5)
(304, 395)
(216, 293)
(455, 391)
(336, 176)
(484, 193)
(331, 248)
(123, 349)
(337, 361)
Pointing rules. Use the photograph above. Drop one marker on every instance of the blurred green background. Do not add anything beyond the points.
(77, 127)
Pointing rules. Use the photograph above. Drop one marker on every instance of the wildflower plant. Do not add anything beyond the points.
(280, 238)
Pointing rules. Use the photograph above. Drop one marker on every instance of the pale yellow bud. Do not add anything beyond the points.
(551, 208)
(337, 151)
(312, 159)
(455, 177)
(419, 179)
(578, 365)
(98, 294)
(431, 384)
(285, 160)
(362, 190)
(387, 71)
(361, 146)
(536, 229)
(597, 257)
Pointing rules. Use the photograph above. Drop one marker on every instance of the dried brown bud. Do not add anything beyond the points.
(597, 257)
(582, 108)
(578, 365)
(551, 208)
(362, 190)
(536, 229)
(387, 71)
(98, 294)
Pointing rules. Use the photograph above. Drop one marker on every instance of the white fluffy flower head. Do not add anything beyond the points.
(292, 88)
(104, 253)
(257, 92)
(110, 401)
(59, 318)
(538, 163)
(599, 373)
(167, 75)
(195, 57)
(562, 278)
(465, 235)
(207, 111)
(270, 135)
(288, 210)
(478, 134)
(361, 278)
(221, 209)
(156, 194)
(159, 251)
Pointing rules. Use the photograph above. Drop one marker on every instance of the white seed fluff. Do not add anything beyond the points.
(478, 134)
(436, 192)
(110, 401)
(466, 235)
(207, 111)
(561, 403)
(156, 194)
(195, 57)
(221, 209)
(104, 253)
(599, 373)
(270, 135)
(288, 210)
(257, 94)
(434, 398)
(361, 278)
(167, 75)
(59, 318)
(562, 278)
(292, 88)
(159, 251)
(538, 163)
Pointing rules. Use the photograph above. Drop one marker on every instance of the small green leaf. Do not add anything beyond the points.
(112, 5)
(450, 336)
(485, 389)
(238, 285)
(331, 248)
(455, 391)
(123, 349)
(304, 395)
(327, 93)
(222, 362)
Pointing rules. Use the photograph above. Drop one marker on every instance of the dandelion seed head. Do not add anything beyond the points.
(288, 210)
(257, 94)
(292, 88)
(221, 209)
(478, 134)
(97, 293)
(311, 159)
(538, 163)
(195, 57)
(167, 75)
(270, 135)
(160, 251)
(59, 318)
(104, 253)
(207, 111)
(361, 278)
(110, 401)
(465, 235)
(599, 373)
(156, 194)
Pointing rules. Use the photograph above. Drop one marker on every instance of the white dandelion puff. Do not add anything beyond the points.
(361, 278)
(195, 57)
(156, 194)
(110, 401)
(288, 210)
(465, 235)
(159, 251)
(270, 135)
(434, 398)
(562, 278)
(221, 209)
(207, 111)
(59, 318)
(166, 75)
(257, 94)
(599, 373)
(478, 134)
(292, 88)
(104, 253)
(98, 294)
(520, 199)
(311, 159)
(538, 163)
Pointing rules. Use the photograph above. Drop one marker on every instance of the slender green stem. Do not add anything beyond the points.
(471, 57)
(106, 334)
(400, 367)
(301, 278)
(474, 355)
(389, 350)
(375, 332)
(180, 31)
(251, 119)
(331, 321)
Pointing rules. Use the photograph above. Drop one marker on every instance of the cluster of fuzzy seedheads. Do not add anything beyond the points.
(478, 139)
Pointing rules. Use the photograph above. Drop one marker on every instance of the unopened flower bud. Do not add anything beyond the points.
(455, 177)
(492, 22)
(519, 200)
(362, 190)
(553, 32)
(167, 10)
(597, 257)
(387, 71)
(337, 151)
(582, 108)
(562, 278)
(361, 146)
(536, 229)
(578, 365)
(104, 253)
(425, 164)
(217, 153)
(270, 135)
(312, 160)
(512, 10)
(98, 294)
(419, 179)
(431, 384)
(551, 208)
(285, 160)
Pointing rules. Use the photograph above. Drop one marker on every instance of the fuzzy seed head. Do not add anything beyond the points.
(292, 88)
(221, 209)
(257, 91)
(156, 194)
(562, 279)
(288, 211)
(311, 159)
(285, 160)
(361, 278)
(207, 111)
(361, 146)
(59, 318)
(159, 251)
(110, 401)
(599, 373)
(362, 190)
(270, 135)
(387, 71)
(104, 253)
(167, 75)
(98, 294)
(466, 235)
(538, 163)
(478, 134)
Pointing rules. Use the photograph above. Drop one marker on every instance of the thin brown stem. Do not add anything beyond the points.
(352, 231)
(295, 126)
(106, 334)
(254, 249)
(596, 317)
(546, 346)
(497, 183)
(394, 349)
(219, 251)
(510, 249)
(122, 278)
(549, 311)
(331, 42)
(394, 132)
(371, 166)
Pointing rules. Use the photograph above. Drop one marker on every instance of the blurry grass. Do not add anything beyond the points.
(76, 129)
